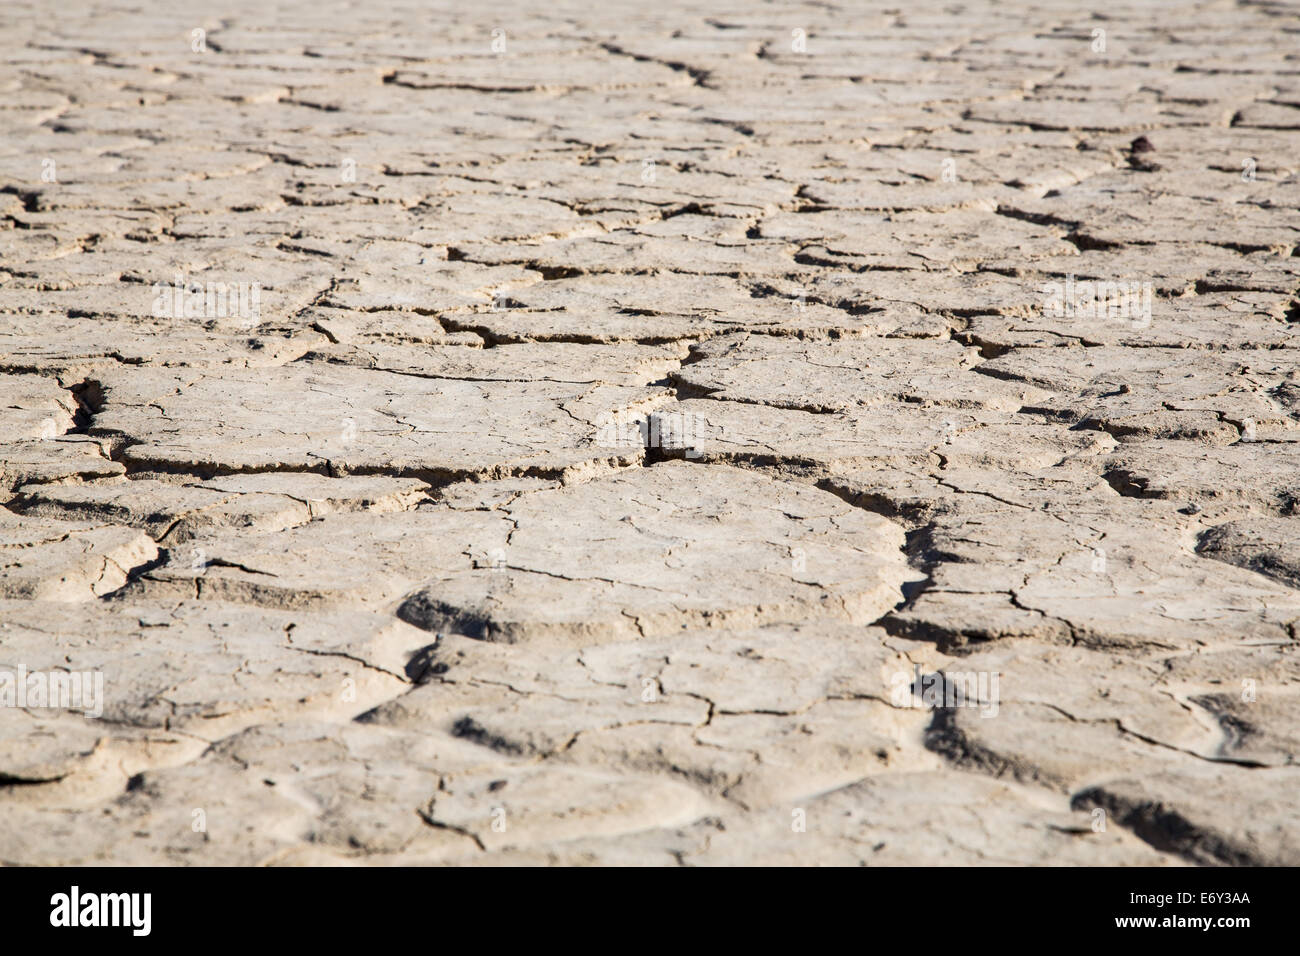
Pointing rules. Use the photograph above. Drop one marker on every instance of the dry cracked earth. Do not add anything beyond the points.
(621, 434)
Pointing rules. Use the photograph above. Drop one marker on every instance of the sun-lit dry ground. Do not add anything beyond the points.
(586, 433)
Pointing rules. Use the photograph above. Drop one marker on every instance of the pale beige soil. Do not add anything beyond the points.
(601, 424)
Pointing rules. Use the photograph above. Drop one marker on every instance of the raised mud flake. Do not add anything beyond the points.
(300, 790)
(902, 436)
(1262, 475)
(1220, 321)
(1256, 730)
(601, 324)
(1166, 218)
(152, 506)
(427, 287)
(1064, 717)
(132, 304)
(753, 716)
(337, 560)
(662, 306)
(777, 758)
(1102, 573)
(925, 818)
(1270, 546)
(838, 376)
(45, 559)
(75, 348)
(1153, 393)
(628, 251)
(914, 240)
(625, 364)
(1248, 695)
(872, 194)
(173, 677)
(70, 457)
(374, 493)
(347, 327)
(713, 431)
(1208, 815)
(218, 680)
(337, 419)
(47, 750)
(32, 406)
(936, 293)
(984, 472)
(549, 71)
(522, 702)
(173, 512)
(549, 803)
(658, 549)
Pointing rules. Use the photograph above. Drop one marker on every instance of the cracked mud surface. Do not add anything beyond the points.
(638, 413)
